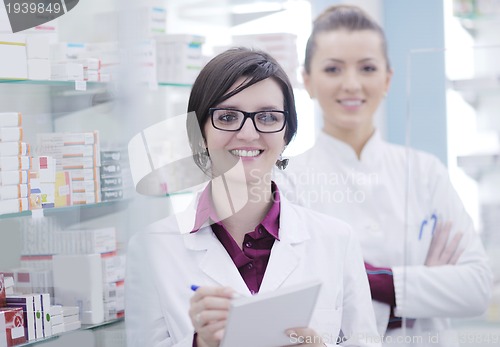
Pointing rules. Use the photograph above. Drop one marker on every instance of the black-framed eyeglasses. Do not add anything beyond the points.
(226, 119)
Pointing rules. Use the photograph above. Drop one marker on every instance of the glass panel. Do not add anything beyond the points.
(73, 237)
(460, 185)
(72, 228)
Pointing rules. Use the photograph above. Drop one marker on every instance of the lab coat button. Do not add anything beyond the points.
(248, 244)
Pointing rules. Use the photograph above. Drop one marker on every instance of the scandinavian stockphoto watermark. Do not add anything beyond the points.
(362, 338)
(312, 186)
(26, 14)
(446, 338)
(315, 186)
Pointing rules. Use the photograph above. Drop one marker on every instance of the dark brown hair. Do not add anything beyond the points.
(218, 76)
(342, 17)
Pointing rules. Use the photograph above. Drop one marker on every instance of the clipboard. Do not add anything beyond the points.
(261, 320)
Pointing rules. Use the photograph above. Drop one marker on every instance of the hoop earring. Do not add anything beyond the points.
(282, 163)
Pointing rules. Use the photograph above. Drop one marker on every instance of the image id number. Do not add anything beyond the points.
(478, 338)
(34, 7)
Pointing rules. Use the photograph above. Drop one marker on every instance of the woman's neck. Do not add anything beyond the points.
(241, 205)
(356, 138)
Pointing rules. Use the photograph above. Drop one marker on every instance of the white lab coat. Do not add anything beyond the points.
(163, 262)
(386, 196)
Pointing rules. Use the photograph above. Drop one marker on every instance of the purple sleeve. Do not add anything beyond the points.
(381, 284)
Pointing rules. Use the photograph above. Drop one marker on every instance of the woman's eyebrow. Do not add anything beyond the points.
(365, 60)
(262, 108)
(339, 61)
(334, 60)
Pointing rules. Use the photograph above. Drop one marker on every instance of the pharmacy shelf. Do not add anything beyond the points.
(87, 211)
(49, 83)
(476, 165)
(471, 88)
(102, 325)
(84, 327)
(72, 83)
(473, 23)
(236, 12)
(181, 85)
(77, 85)
(476, 84)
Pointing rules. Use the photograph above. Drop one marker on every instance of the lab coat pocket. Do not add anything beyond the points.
(327, 323)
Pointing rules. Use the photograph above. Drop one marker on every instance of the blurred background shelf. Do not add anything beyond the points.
(54, 340)
(86, 211)
(479, 164)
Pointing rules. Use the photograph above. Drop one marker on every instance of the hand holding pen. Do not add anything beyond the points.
(236, 295)
(209, 308)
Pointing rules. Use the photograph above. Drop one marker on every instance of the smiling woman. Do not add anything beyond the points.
(349, 75)
(246, 141)
(240, 75)
(241, 236)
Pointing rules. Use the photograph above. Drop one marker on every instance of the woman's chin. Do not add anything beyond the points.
(244, 172)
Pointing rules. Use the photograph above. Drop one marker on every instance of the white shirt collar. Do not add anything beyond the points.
(370, 154)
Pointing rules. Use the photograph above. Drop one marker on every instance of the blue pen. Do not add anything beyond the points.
(236, 295)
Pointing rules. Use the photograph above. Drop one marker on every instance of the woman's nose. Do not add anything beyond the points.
(248, 131)
(351, 81)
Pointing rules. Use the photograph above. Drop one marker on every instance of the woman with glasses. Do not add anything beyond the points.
(243, 237)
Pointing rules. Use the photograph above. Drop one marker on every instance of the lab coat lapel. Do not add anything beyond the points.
(283, 261)
(285, 258)
(216, 263)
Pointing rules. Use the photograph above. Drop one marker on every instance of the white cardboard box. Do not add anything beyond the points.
(67, 139)
(14, 64)
(39, 69)
(14, 191)
(14, 205)
(38, 316)
(78, 282)
(58, 328)
(56, 320)
(179, 58)
(11, 134)
(14, 148)
(10, 119)
(37, 47)
(13, 163)
(47, 324)
(13, 177)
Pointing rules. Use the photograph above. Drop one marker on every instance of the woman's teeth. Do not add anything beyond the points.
(351, 102)
(245, 153)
